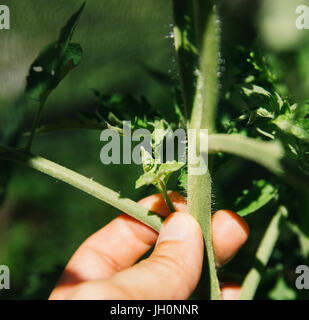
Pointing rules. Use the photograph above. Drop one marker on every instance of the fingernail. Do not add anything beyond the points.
(175, 228)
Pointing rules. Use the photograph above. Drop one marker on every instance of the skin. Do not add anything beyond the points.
(105, 266)
(230, 291)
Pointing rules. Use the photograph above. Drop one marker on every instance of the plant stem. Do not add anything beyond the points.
(208, 43)
(263, 255)
(84, 184)
(267, 154)
(203, 117)
(166, 197)
(186, 50)
(69, 125)
(36, 123)
(199, 203)
(270, 155)
(196, 43)
(303, 238)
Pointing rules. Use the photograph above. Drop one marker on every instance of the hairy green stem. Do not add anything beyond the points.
(203, 117)
(186, 50)
(263, 255)
(84, 184)
(199, 203)
(196, 46)
(267, 154)
(270, 155)
(166, 197)
(208, 43)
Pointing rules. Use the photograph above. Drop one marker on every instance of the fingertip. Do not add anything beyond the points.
(180, 252)
(156, 203)
(180, 226)
(178, 200)
(229, 233)
(173, 269)
(139, 229)
(239, 222)
(230, 291)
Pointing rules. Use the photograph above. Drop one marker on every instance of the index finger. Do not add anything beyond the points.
(115, 247)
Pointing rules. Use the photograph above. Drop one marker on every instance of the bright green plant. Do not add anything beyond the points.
(268, 129)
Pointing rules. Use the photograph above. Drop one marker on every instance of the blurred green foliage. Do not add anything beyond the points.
(126, 45)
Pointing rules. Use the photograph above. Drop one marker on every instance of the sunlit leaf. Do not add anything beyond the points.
(156, 173)
(54, 62)
(254, 198)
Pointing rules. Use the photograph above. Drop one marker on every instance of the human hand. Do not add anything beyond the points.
(104, 267)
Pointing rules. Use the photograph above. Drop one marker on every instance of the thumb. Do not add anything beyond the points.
(171, 272)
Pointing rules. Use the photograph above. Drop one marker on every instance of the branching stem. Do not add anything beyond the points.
(84, 184)
(263, 255)
(166, 197)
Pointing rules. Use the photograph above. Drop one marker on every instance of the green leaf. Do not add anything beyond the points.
(303, 238)
(268, 115)
(186, 50)
(166, 169)
(54, 62)
(68, 30)
(116, 108)
(146, 179)
(182, 184)
(148, 161)
(282, 291)
(260, 101)
(295, 122)
(156, 173)
(253, 199)
(159, 176)
(158, 135)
